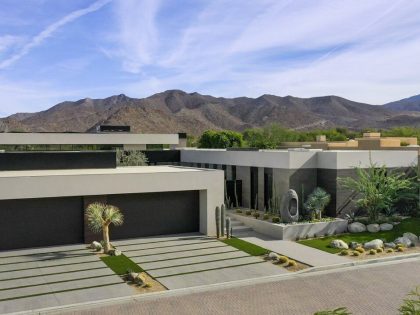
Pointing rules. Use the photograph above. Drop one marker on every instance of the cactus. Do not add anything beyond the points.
(228, 228)
(222, 220)
(217, 222)
(256, 202)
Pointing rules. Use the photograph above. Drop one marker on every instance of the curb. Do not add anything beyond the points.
(310, 272)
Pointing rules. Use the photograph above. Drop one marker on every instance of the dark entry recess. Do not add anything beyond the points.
(230, 192)
(152, 214)
(41, 222)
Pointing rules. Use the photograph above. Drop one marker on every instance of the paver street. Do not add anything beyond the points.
(377, 289)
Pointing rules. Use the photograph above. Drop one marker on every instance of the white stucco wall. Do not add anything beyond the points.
(62, 183)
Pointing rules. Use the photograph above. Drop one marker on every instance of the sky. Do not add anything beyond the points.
(57, 50)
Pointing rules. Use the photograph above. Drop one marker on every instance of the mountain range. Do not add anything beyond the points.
(178, 111)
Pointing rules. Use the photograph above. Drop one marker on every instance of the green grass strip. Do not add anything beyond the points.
(121, 264)
(62, 291)
(191, 272)
(249, 248)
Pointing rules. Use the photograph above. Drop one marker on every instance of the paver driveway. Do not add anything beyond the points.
(188, 260)
(45, 277)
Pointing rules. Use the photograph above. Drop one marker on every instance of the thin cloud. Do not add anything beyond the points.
(50, 30)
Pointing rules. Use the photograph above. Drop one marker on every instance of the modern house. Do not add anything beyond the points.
(261, 175)
(43, 193)
(46, 207)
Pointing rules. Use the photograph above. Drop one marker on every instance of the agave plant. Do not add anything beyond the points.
(100, 216)
(317, 201)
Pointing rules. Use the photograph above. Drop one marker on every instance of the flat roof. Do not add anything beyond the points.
(105, 171)
(86, 138)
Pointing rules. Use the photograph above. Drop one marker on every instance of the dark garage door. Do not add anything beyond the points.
(40, 222)
(156, 213)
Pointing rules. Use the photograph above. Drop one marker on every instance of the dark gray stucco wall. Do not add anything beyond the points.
(41, 222)
(156, 213)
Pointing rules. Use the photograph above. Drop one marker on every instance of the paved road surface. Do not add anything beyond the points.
(377, 289)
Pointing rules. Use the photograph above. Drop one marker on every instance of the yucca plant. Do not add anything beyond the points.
(100, 216)
(317, 201)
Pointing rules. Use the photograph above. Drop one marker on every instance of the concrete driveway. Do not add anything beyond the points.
(188, 260)
(52, 276)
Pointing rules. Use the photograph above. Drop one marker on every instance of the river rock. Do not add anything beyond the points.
(412, 237)
(373, 228)
(273, 256)
(339, 244)
(96, 246)
(390, 245)
(354, 245)
(386, 227)
(404, 241)
(375, 244)
(114, 252)
(356, 227)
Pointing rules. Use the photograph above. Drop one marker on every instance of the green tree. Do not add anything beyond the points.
(378, 188)
(220, 139)
(317, 201)
(100, 216)
(131, 158)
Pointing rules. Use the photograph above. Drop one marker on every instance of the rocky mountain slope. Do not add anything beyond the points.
(406, 104)
(178, 111)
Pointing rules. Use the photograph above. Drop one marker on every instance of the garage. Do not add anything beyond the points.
(150, 214)
(41, 222)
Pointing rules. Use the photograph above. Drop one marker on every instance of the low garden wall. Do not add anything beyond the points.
(292, 232)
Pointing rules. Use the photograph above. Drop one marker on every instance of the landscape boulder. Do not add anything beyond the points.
(96, 246)
(273, 256)
(386, 227)
(375, 244)
(405, 241)
(412, 237)
(339, 244)
(356, 227)
(390, 245)
(114, 252)
(373, 228)
(354, 245)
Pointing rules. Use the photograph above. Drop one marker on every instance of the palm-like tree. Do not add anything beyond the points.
(317, 201)
(100, 216)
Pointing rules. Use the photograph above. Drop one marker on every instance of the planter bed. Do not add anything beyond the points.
(292, 231)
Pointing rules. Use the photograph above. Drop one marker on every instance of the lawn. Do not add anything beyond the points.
(121, 264)
(251, 249)
(408, 225)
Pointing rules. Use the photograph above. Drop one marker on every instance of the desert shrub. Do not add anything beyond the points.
(256, 215)
(389, 250)
(283, 260)
(344, 252)
(337, 311)
(266, 216)
(379, 250)
(275, 219)
(361, 250)
(411, 304)
(292, 263)
(356, 253)
(372, 252)
(248, 212)
(238, 210)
